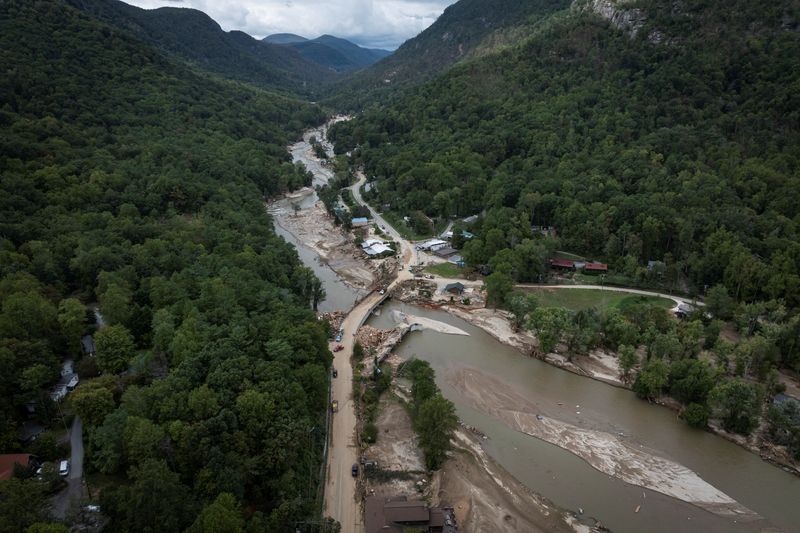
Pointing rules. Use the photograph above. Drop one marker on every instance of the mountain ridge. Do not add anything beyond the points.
(335, 53)
(194, 37)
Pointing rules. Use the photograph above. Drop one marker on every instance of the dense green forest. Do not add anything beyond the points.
(466, 28)
(136, 182)
(671, 152)
(191, 35)
(683, 150)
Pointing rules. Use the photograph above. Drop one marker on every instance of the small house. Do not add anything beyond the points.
(595, 268)
(454, 288)
(359, 222)
(562, 264)
(445, 252)
(395, 515)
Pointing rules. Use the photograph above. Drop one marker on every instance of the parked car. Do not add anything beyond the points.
(63, 468)
(335, 373)
(339, 337)
(355, 470)
(338, 348)
(334, 406)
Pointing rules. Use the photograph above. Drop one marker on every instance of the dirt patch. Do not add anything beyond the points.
(602, 450)
(486, 497)
(314, 228)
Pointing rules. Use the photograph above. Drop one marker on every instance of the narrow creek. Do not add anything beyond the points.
(556, 473)
(565, 478)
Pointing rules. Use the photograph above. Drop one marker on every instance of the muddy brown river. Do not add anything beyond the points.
(556, 473)
(567, 479)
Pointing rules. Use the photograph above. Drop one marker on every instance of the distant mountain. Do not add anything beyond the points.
(193, 36)
(330, 52)
(465, 29)
(283, 38)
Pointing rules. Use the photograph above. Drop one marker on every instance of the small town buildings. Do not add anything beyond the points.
(432, 245)
(454, 288)
(562, 264)
(456, 260)
(375, 247)
(595, 268)
(445, 252)
(396, 515)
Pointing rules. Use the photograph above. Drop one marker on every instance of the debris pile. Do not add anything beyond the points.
(372, 338)
(335, 318)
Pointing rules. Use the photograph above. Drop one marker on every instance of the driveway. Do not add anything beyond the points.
(72, 494)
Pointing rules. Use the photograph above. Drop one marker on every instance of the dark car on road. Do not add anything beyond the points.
(355, 470)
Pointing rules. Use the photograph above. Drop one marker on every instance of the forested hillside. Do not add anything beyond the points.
(135, 182)
(456, 34)
(193, 36)
(679, 144)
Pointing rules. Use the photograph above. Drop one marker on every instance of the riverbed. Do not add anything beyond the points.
(501, 392)
(568, 480)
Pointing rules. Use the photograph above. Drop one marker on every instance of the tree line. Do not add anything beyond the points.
(136, 184)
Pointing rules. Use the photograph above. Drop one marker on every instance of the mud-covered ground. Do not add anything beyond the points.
(313, 227)
(603, 450)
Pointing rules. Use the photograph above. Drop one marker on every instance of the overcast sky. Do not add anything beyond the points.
(370, 23)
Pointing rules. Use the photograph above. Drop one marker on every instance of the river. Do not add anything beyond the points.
(565, 478)
(339, 295)
(556, 473)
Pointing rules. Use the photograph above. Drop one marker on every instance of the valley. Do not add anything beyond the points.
(536, 269)
(583, 433)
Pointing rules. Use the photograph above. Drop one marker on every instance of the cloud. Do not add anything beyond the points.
(371, 23)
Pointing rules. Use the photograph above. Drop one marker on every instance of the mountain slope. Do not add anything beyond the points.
(455, 35)
(283, 38)
(671, 133)
(330, 52)
(137, 182)
(194, 37)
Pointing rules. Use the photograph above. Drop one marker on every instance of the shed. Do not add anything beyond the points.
(562, 264)
(445, 252)
(456, 260)
(454, 288)
(595, 268)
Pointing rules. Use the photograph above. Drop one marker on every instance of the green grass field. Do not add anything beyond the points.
(578, 299)
(445, 270)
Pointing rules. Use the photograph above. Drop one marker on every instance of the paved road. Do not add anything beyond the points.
(677, 299)
(341, 500)
(72, 494)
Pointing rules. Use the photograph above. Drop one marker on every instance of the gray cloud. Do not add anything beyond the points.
(371, 23)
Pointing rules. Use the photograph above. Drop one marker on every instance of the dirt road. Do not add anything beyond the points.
(341, 501)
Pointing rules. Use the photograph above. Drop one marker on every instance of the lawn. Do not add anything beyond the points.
(404, 229)
(445, 270)
(578, 299)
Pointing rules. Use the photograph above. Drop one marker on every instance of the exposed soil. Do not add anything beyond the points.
(602, 450)
(487, 498)
(314, 228)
